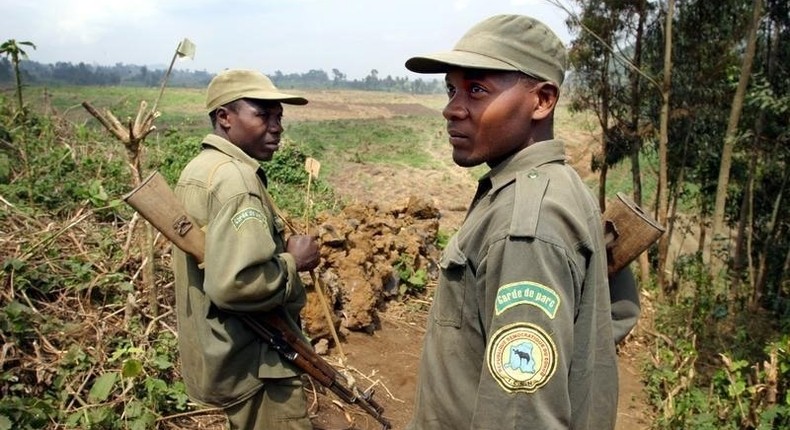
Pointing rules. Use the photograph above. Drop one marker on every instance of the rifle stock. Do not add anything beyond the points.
(157, 203)
(628, 232)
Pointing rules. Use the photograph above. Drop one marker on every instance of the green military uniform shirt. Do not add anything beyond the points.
(246, 270)
(519, 333)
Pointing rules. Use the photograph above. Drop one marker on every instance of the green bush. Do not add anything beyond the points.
(715, 366)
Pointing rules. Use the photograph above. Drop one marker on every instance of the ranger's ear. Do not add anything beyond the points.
(222, 115)
(548, 94)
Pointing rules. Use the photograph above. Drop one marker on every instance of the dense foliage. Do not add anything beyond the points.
(720, 358)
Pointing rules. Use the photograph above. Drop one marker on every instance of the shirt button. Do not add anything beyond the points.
(532, 175)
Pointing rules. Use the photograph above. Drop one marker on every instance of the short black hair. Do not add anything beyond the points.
(232, 106)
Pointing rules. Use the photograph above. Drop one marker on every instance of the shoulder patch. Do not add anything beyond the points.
(245, 215)
(521, 357)
(527, 293)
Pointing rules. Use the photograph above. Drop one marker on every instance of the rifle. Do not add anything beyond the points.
(156, 202)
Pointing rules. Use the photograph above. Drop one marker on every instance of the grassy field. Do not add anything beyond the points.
(336, 126)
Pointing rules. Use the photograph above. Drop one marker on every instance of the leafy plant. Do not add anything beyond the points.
(714, 368)
(13, 49)
(288, 182)
(413, 281)
(443, 238)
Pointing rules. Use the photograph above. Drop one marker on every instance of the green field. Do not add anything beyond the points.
(337, 126)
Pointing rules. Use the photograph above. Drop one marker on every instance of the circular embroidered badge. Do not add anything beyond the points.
(521, 357)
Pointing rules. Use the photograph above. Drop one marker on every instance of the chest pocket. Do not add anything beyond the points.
(451, 294)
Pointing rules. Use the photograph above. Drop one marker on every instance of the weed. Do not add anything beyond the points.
(413, 280)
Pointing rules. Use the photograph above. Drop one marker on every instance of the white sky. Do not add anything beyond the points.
(293, 36)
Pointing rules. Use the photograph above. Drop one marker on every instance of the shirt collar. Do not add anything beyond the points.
(531, 157)
(226, 147)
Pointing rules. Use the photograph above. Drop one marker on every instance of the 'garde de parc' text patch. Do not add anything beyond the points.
(521, 357)
(529, 293)
(247, 214)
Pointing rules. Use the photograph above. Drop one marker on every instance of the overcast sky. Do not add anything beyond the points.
(293, 36)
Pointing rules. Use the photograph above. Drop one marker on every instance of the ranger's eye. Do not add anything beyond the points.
(476, 88)
(450, 90)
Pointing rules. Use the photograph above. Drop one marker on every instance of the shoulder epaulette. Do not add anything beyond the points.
(530, 189)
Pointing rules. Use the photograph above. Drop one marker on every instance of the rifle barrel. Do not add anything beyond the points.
(274, 330)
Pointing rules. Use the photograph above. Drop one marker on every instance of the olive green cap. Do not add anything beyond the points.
(233, 84)
(502, 42)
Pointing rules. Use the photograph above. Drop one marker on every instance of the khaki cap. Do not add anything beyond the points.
(502, 42)
(234, 84)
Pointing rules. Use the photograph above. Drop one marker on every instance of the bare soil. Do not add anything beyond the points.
(395, 216)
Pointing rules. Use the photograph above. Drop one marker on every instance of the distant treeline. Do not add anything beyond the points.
(62, 73)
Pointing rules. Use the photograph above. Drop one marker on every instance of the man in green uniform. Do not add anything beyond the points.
(520, 330)
(249, 266)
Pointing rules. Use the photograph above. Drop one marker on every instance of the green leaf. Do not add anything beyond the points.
(131, 368)
(161, 362)
(145, 421)
(97, 193)
(102, 387)
(134, 409)
(13, 264)
(5, 423)
(74, 419)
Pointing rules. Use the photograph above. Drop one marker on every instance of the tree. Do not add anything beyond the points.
(635, 136)
(608, 80)
(606, 59)
(707, 41)
(12, 49)
(591, 56)
(730, 135)
(663, 141)
(372, 80)
(6, 73)
(338, 77)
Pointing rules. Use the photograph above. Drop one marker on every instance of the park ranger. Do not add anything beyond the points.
(520, 332)
(249, 266)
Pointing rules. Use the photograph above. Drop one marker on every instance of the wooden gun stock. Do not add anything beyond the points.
(158, 204)
(628, 232)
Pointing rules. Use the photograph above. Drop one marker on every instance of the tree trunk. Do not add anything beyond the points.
(663, 243)
(18, 76)
(672, 217)
(782, 276)
(636, 142)
(717, 236)
(604, 118)
(738, 258)
(703, 234)
(742, 257)
(770, 238)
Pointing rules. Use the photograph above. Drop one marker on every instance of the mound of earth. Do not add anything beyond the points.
(370, 254)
